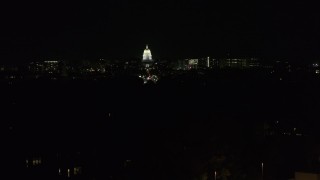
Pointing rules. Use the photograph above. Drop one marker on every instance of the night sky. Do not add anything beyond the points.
(173, 29)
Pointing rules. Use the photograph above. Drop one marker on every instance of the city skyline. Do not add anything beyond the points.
(160, 90)
(147, 52)
(174, 29)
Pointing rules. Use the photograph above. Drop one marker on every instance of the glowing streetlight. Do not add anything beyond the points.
(262, 170)
(215, 175)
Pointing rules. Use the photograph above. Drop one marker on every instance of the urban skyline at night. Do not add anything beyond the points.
(175, 29)
(160, 90)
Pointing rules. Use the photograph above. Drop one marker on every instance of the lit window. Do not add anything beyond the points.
(77, 170)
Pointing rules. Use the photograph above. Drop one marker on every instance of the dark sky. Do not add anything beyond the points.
(177, 29)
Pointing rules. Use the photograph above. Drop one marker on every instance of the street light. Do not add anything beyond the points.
(215, 175)
(262, 170)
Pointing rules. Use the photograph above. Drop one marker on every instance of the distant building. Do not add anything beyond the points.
(51, 67)
(10, 72)
(282, 67)
(45, 67)
(4, 68)
(36, 67)
(253, 63)
(179, 65)
(239, 63)
(192, 63)
(95, 67)
(60, 166)
(233, 63)
(147, 58)
(195, 63)
(206, 63)
(33, 162)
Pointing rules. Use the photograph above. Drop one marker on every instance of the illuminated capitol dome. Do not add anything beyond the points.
(147, 55)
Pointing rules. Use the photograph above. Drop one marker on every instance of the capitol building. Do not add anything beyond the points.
(147, 57)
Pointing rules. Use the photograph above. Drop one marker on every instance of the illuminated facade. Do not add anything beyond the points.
(147, 60)
(147, 55)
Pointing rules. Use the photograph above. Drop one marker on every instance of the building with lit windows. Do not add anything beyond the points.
(206, 63)
(51, 67)
(45, 67)
(239, 63)
(192, 63)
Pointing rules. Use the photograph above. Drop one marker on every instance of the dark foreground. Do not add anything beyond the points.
(184, 127)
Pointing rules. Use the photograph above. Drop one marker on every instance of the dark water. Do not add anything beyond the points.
(184, 127)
